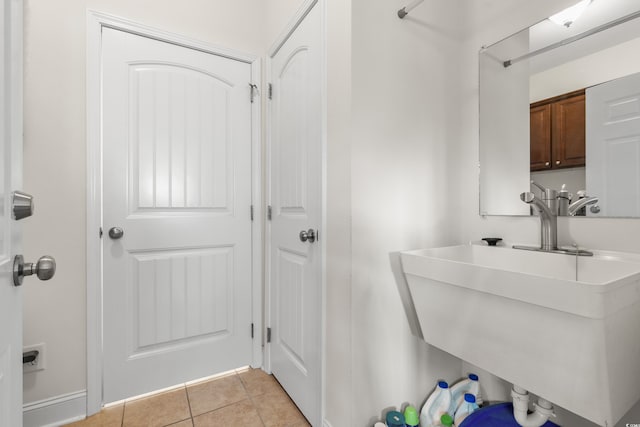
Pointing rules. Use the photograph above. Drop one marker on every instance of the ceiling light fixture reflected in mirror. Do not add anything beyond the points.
(568, 16)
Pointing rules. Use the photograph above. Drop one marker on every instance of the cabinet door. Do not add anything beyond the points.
(568, 130)
(540, 126)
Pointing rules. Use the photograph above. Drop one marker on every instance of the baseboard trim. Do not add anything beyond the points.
(56, 411)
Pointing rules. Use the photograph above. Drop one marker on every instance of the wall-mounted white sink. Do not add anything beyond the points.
(563, 327)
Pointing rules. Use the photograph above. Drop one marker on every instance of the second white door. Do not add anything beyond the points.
(295, 194)
(613, 146)
(176, 214)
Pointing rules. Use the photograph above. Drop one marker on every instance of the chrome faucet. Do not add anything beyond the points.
(580, 203)
(549, 225)
(549, 196)
(548, 222)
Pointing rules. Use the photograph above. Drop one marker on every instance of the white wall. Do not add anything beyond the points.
(404, 119)
(338, 332)
(587, 71)
(55, 166)
(506, 92)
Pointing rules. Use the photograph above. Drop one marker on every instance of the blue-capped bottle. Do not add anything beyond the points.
(471, 385)
(468, 407)
(436, 406)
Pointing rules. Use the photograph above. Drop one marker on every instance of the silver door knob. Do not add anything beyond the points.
(45, 268)
(309, 235)
(116, 233)
(22, 205)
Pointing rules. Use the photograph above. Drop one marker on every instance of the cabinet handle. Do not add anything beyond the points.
(557, 162)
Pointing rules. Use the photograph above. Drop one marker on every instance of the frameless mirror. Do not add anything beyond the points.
(560, 106)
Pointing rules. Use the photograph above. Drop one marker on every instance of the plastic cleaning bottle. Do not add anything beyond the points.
(395, 419)
(436, 405)
(467, 408)
(411, 418)
(458, 390)
(445, 421)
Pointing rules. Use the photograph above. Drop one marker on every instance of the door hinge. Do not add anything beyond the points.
(253, 91)
(100, 232)
(251, 212)
(252, 331)
(268, 335)
(269, 212)
(270, 91)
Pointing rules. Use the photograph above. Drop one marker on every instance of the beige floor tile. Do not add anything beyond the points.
(211, 395)
(238, 414)
(185, 423)
(257, 382)
(277, 410)
(108, 417)
(159, 410)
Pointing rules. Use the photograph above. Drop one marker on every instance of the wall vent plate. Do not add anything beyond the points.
(39, 363)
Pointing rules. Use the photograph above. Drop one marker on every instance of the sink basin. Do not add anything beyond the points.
(563, 327)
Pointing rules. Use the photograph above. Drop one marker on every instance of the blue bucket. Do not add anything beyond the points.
(498, 415)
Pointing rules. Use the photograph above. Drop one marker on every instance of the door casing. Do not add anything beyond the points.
(95, 22)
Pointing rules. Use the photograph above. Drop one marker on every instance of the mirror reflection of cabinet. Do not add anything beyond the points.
(557, 130)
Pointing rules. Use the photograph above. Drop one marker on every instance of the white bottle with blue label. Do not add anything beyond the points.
(468, 407)
(458, 390)
(438, 404)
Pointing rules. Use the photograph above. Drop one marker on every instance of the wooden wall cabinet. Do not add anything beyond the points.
(557, 131)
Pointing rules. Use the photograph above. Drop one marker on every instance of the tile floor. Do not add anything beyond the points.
(247, 397)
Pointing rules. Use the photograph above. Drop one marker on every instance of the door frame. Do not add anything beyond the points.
(293, 24)
(96, 21)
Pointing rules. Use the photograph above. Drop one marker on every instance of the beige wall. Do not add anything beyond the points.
(55, 151)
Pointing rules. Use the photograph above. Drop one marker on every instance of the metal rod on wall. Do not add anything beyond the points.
(569, 40)
(405, 10)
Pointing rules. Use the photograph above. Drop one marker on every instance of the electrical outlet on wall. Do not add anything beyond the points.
(39, 363)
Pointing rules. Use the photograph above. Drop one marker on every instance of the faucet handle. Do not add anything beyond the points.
(527, 196)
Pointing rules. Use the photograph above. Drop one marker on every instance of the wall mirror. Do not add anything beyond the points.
(560, 107)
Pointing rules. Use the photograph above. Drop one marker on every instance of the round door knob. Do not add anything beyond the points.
(44, 269)
(546, 163)
(116, 233)
(309, 235)
(557, 162)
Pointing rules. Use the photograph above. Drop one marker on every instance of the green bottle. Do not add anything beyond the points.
(411, 417)
(446, 420)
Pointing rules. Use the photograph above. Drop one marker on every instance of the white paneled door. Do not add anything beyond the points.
(10, 238)
(176, 214)
(295, 195)
(613, 146)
